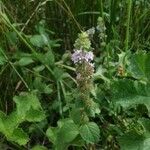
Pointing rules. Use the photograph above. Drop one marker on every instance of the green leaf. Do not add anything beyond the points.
(19, 136)
(139, 66)
(9, 127)
(61, 146)
(28, 108)
(78, 141)
(134, 141)
(25, 102)
(129, 94)
(41, 86)
(49, 58)
(52, 134)
(25, 61)
(39, 147)
(12, 38)
(90, 132)
(34, 115)
(145, 124)
(39, 68)
(11, 122)
(68, 132)
(37, 40)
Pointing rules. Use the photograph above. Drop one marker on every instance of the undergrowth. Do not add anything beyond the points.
(74, 75)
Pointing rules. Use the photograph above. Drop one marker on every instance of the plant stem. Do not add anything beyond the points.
(11, 64)
(128, 25)
(101, 8)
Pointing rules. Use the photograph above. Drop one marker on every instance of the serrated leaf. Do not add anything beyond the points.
(41, 86)
(68, 132)
(139, 66)
(11, 122)
(25, 102)
(19, 136)
(129, 94)
(134, 141)
(78, 141)
(90, 132)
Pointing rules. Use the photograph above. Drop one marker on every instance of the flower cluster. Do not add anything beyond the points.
(79, 56)
(83, 42)
(91, 32)
(102, 31)
(82, 58)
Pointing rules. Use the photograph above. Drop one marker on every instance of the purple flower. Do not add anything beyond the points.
(89, 56)
(78, 56)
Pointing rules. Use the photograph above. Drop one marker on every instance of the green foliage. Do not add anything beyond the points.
(140, 68)
(129, 94)
(64, 134)
(35, 57)
(28, 108)
(134, 141)
(38, 147)
(90, 132)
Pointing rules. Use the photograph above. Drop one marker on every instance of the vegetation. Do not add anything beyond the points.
(75, 75)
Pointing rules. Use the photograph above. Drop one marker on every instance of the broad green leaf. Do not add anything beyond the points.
(78, 141)
(129, 94)
(37, 40)
(39, 68)
(11, 122)
(19, 136)
(25, 61)
(35, 115)
(61, 122)
(134, 141)
(139, 66)
(25, 102)
(90, 132)
(145, 122)
(61, 146)
(68, 132)
(52, 134)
